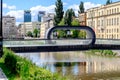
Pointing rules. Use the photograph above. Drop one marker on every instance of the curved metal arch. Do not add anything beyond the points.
(89, 30)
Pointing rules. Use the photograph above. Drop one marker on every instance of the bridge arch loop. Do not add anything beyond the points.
(88, 29)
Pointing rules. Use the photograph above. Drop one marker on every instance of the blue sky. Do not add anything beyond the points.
(15, 7)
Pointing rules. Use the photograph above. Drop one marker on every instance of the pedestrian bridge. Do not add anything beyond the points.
(45, 45)
(49, 44)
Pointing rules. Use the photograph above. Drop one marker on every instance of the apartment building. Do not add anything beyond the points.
(9, 28)
(105, 20)
(28, 26)
(44, 27)
(46, 23)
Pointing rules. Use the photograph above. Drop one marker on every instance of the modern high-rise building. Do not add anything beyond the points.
(40, 14)
(27, 16)
(105, 20)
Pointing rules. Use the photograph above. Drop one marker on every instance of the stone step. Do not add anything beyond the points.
(2, 75)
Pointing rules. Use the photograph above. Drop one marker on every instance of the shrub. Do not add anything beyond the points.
(10, 62)
(16, 64)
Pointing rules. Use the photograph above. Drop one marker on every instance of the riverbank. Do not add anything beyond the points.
(107, 53)
(23, 69)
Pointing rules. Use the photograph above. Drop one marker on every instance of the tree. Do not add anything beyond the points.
(58, 12)
(69, 17)
(108, 2)
(82, 34)
(81, 7)
(62, 23)
(75, 22)
(36, 31)
(29, 33)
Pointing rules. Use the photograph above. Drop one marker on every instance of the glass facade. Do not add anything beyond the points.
(27, 16)
(40, 14)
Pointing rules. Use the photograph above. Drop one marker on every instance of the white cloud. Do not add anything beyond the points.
(90, 5)
(64, 3)
(87, 5)
(4, 5)
(8, 7)
(36, 9)
(17, 23)
(75, 7)
(17, 14)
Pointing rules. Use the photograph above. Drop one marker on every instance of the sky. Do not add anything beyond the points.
(16, 8)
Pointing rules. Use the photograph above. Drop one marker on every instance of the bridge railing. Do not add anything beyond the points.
(46, 42)
(108, 41)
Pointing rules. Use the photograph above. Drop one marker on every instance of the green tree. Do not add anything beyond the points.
(29, 33)
(75, 33)
(82, 34)
(62, 23)
(58, 12)
(69, 17)
(36, 31)
(75, 22)
(61, 33)
(108, 2)
(81, 7)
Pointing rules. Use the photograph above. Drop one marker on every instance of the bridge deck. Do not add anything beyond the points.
(60, 45)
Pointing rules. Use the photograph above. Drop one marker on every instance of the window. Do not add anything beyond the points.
(112, 11)
(117, 30)
(109, 22)
(114, 21)
(118, 10)
(102, 23)
(115, 10)
(107, 12)
(117, 21)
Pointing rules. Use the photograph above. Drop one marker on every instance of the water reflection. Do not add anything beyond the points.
(77, 65)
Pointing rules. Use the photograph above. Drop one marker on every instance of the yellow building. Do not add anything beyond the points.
(105, 20)
(44, 27)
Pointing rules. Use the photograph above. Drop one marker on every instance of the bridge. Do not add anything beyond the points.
(43, 45)
(48, 44)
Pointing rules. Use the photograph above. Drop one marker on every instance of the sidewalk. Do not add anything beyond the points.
(2, 75)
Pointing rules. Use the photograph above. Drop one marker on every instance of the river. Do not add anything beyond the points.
(77, 65)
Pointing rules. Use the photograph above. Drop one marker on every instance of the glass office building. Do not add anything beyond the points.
(27, 16)
(40, 14)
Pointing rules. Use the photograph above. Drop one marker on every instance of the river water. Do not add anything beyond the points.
(77, 65)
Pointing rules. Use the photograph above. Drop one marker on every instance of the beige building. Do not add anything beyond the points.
(9, 29)
(44, 27)
(82, 19)
(23, 28)
(105, 20)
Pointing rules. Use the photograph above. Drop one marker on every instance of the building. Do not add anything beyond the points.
(9, 28)
(25, 27)
(47, 17)
(40, 14)
(44, 27)
(27, 16)
(82, 18)
(105, 20)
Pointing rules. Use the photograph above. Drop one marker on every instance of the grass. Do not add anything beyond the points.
(7, 71)
(34, 72)
(106, 53)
